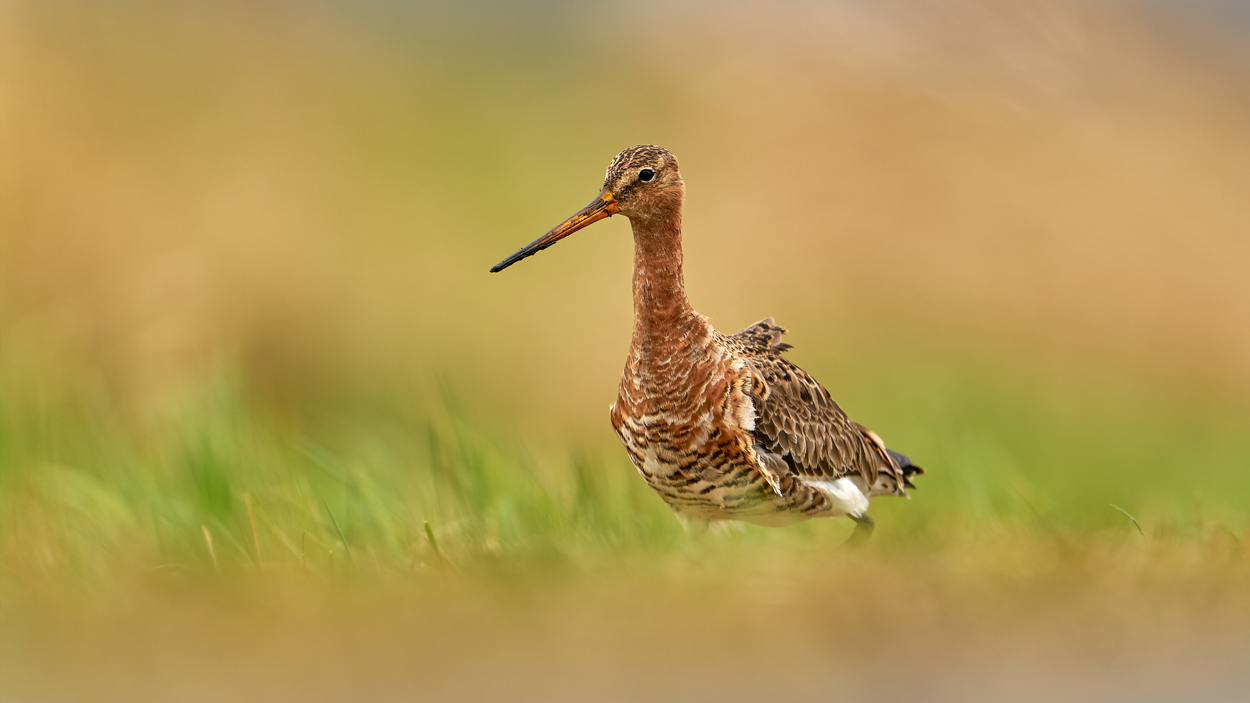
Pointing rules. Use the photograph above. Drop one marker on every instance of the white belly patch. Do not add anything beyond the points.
(846, 497)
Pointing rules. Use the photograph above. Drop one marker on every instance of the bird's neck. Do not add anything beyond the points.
(662, 313)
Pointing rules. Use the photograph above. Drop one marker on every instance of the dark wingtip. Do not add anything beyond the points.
(904, 464)
(496, 268)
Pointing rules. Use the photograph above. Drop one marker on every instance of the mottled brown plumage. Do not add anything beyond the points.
(722, 427)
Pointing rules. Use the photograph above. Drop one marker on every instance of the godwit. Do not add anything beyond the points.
(723, 427)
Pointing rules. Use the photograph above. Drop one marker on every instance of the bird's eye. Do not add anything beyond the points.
(646, 175)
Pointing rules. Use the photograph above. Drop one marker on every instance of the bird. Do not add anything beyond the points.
(723, 427)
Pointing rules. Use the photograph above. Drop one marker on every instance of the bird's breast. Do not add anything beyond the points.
(682, 411)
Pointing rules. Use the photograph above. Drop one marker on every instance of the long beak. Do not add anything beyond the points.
(603, 206)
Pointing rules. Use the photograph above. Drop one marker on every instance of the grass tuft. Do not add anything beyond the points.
(212, 553)
(346, 549)
(1130, 517)
(247, 500)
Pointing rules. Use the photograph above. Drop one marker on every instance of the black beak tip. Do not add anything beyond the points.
(511, 260)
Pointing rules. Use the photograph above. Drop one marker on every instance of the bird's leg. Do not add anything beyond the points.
(694, 526)
(864, 526)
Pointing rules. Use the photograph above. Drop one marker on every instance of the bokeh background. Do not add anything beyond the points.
(246, 321)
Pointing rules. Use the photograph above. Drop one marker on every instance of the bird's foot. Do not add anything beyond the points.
(864, 526)
(695, 527)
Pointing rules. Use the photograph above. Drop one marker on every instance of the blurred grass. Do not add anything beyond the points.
(88, 492)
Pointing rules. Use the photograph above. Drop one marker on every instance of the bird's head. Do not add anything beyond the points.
(642, 182)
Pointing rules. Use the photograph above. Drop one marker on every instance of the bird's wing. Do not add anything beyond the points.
(797, 419)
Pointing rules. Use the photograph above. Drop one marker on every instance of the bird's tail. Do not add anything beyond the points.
(909, 469)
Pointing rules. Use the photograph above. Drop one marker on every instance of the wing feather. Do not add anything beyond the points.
(798, 419)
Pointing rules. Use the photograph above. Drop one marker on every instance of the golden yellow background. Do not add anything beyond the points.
(244, 253)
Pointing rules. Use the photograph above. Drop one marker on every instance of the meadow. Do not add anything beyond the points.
(270, 431)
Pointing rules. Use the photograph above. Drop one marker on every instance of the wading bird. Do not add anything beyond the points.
(723, 427)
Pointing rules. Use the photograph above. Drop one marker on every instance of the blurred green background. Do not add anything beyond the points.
(245, 250)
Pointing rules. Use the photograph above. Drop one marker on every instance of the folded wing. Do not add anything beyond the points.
(797, 420)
